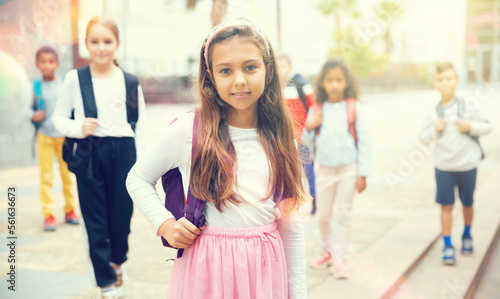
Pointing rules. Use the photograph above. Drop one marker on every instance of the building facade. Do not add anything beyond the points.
(483, 41)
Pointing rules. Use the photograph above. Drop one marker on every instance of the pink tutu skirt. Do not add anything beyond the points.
(232, 263)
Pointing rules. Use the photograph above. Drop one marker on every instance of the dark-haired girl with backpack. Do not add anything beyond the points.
(338, 125)
(245, 170)
(103, 108)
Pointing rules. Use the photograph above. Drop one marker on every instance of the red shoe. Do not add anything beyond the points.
(50, 224)
(322, 261)
(71, 218)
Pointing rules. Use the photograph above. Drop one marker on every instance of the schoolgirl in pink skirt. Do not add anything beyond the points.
(238, 157)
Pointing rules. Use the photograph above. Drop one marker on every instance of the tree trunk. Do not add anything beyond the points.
(337, 27)
(388, 40)
(219, 9)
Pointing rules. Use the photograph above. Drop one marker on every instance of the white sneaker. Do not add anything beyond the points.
(340, 270)
(109, 294)
(121, 290)
(121, 281)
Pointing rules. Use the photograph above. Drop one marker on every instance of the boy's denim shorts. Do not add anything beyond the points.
(446, 182)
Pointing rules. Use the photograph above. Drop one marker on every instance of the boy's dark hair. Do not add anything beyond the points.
(46, 50)
(443, 66)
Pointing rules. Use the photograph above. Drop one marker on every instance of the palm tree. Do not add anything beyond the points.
(219, 9)
(387, 10)
(338, 8)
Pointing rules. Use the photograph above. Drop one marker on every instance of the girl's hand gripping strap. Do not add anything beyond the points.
(193, 210)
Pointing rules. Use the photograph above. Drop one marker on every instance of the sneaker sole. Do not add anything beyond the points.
(449, 263)
(73, 223)
(323, 266)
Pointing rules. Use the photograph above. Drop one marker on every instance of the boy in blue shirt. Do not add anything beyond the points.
(50, 141)
(455, 126)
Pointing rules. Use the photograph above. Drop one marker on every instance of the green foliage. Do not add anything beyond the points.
(357, 54)
(336, 6)
(388, 9)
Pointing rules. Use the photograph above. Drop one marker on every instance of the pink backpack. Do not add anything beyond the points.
(351, 117)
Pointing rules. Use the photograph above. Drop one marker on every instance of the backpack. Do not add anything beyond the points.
(460, 112)
(190, 208)
(38, 103)
(298, 82)
(351, 117)
(71, 145)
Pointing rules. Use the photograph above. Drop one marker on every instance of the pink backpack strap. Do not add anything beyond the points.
(351, 118)
(317, 109)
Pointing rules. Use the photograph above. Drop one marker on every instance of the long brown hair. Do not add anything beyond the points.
(351, 91)
(212, 171)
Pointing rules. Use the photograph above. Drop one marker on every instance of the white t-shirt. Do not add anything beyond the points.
(110, 99)
(173, 149)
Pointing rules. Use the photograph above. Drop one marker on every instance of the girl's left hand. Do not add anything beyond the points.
(361, 184)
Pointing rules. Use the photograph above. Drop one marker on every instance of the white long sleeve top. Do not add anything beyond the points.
(110, 99)
(455, 151)
(173, 149)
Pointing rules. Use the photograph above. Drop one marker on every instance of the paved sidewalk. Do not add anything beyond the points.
(55, 264)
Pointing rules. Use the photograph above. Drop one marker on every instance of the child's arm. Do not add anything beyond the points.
(477, 124)
(308, 136)
(165, 154)
(32, 112)
(62, 113)
(314, 118)
(291, 229)
(364, 148)
(431, 128)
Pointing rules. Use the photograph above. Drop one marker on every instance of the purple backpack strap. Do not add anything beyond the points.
(193, 210)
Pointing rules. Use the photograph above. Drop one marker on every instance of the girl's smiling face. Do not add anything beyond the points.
(102, 44)
(239, 73)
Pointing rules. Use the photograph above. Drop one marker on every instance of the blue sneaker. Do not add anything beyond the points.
(449, 255)
(467, 248)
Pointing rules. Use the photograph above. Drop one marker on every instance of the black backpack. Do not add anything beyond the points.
(75, 149)
(298, 81)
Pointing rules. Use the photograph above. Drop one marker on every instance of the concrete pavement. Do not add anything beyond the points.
(55, 265)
